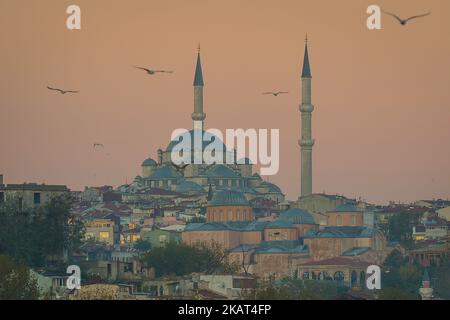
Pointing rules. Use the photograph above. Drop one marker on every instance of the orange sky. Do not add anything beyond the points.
(382, 98)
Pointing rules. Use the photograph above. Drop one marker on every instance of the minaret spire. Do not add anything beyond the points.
(198, 116)
(306, 141)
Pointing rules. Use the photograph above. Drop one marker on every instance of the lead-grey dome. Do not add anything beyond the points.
(149, 163)
(228, 198)
(297, 216)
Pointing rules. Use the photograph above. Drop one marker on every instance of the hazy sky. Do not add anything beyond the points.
(382, 98)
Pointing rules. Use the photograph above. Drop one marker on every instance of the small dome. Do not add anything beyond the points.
(166, 172)
(149, 163)
(297, 216)
(228, 198)
(271, 187)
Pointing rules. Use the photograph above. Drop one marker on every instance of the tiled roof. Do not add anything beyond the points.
(341, 232)
(282, 246)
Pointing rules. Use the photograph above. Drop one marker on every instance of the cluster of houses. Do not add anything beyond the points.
(316, 237)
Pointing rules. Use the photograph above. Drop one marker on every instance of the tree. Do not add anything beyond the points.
(31, 236)
(396, 294)
(401, 275)
(142, 245)
(181, 259)
(16, 282)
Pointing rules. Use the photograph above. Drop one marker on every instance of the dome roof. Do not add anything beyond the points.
(210, 138)
(221, 171)
(166, 172)
(280, 224)
(228, 198)
(189, 187)
(271, 187)
(149, 163)
(297, 216)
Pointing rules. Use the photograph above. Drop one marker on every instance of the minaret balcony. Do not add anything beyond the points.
(306, 107)
(198, 116)
(306, 143)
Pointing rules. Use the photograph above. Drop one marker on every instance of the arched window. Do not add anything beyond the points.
(240, 218)
(353, 220)
(339, 276)
(362, 278)
(338, 220)
(313, 275)
(354, 278)
(306, 275)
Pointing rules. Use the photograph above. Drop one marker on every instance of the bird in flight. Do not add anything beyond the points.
(404, 21)
(152, 72)
(98, 145)
(61, 91)
(275, 94)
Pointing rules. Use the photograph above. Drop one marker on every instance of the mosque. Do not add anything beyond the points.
(202, 178)
(295, 243)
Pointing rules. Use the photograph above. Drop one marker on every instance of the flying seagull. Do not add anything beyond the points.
(404, 21)
(152, 72)
(61, 91)
(275, 94)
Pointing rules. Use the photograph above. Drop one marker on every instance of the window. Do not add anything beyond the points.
(37, 198)
(162, 238)
(353, 220)
(2, 197)
(339, 220)
(104, 235)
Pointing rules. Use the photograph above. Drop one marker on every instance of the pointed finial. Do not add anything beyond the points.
(198, 48)
(306, 39)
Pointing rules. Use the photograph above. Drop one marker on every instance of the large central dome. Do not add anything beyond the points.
(205, 135)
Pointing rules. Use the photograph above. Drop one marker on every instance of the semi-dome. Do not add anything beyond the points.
(228, 198)
(166, 172)
(221, 171)
(297, 216)
(149, 163)
(189, 187)
(210, 138)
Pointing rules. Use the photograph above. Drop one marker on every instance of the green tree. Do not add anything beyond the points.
(401, 274)
(16, 282)
(396, 294)
(181, 259)
(33, 235)
(142, 245)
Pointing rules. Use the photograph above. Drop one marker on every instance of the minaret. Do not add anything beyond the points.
(198, 116)
(306, 142)
(426, 291)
